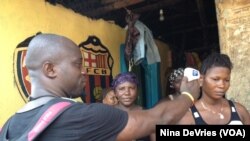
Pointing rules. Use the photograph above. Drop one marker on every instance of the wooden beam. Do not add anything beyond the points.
(113, 6)
(178, 16)
(104, 2)
(191, 29)
(158, 5)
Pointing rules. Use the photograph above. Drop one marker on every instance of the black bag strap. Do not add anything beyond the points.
(48, 113)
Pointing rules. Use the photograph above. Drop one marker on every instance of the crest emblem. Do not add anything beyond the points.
(97, 61)
(98, 64)
(20, 71)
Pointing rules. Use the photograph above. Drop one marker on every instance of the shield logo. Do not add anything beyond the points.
(21, 76)
(97, 61)
(98, 64)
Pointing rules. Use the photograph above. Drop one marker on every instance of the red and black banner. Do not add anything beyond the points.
(98, 64)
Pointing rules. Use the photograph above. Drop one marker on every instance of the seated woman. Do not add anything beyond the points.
(213, 107)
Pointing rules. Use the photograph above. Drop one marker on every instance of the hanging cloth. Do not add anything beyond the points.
(131, 38)
(145, 42)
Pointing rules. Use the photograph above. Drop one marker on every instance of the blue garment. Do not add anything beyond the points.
(123, 67)
(235, 119)
(152, 83)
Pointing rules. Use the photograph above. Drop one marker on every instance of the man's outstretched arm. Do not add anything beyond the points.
(142, 123)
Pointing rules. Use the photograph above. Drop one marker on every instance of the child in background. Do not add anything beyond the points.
(108, 97)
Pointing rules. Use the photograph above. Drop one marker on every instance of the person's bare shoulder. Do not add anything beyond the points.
(138, 107)
(243, 113)
(187, 119)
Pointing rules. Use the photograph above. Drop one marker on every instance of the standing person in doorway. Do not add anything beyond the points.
(56, 71)
(213, 107)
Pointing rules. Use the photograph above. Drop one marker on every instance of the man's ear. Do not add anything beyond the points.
(49, 69)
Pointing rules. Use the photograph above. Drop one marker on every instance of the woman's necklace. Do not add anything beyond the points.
(218, 113)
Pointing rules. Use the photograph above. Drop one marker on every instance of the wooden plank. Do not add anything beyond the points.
(158, 5)
(104, 2)
(113, 6)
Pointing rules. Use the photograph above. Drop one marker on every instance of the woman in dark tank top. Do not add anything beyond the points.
(213, 107)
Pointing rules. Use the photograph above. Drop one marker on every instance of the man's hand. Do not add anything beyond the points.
(191, 87)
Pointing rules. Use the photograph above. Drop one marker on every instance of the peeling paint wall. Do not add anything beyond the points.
(233, 18)
(20, 19)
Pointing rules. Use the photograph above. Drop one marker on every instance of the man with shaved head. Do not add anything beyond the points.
(55, 67)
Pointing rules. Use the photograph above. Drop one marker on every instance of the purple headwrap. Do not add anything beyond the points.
(124, 77)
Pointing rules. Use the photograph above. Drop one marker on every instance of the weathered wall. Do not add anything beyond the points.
(20, 19)
(234, 32)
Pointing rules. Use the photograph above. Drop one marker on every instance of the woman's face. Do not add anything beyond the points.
(126, 93)
(216, 82)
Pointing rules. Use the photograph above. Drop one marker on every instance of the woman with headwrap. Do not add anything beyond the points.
(125, 87)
